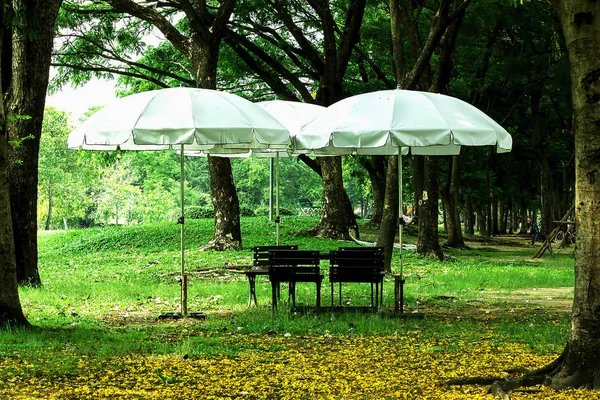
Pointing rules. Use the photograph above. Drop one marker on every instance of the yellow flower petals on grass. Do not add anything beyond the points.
(358, 367)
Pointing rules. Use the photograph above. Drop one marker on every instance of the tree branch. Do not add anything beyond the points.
(153, 17)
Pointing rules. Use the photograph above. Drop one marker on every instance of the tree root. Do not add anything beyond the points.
(500, 387)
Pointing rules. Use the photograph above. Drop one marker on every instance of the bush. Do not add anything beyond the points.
(246, 211)
(261, 211)
(196, 212)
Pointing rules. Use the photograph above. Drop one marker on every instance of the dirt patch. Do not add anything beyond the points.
(560, 299)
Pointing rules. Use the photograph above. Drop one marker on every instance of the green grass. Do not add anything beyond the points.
(103, 288)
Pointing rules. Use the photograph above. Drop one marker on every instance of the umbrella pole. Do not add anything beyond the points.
(277, 196)
(400, 226)
(184, 310)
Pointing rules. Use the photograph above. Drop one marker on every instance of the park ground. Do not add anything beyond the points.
(490, 311)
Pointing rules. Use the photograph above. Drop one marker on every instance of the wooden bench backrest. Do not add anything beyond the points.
(364, 265)
(361, 257)
(294, 258)
(294, 266)
(261, 253)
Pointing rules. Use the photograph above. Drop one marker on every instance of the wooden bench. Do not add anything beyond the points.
(362, 265)
(294, 266)
(261, 267)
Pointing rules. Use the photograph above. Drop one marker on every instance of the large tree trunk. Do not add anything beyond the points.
(203, 56)
(225, 202)
(428, 244)
(389, 222)
(580, 20)
(26, 98)
(335, 223)
(11, 313)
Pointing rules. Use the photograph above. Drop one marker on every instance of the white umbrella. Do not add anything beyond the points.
(202, 120)
(391, 122)
(293, 115)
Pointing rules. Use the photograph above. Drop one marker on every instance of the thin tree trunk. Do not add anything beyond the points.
(469, 219)
(50, 201)
(389, 222)
(428, 244)
(455, 237)
(375, 166)
(523, 212)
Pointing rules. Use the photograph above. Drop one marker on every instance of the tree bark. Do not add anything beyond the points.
(27, 97)
(547, 173)
(11, 313)
(580, 20)
(452, 198)
(50, 203)
(203, 56)
(375, 166)
(523, 217)
(335, 222)
(428, 244)
(469, 219)
(389, 222)
(226, 205)
(201, 48)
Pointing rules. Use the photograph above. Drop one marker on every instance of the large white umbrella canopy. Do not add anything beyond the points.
(381, 122)
(293, 115)
(391, 122)
(201, 119)
(186, 119)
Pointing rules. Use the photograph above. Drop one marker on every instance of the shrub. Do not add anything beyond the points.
(246, 211)
(196, 212)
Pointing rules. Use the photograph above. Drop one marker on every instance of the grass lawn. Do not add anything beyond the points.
(489, 311)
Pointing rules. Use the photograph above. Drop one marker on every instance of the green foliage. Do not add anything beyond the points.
(197, 212)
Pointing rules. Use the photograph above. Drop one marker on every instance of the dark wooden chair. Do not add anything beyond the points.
(294, 266)
(362, 265)
(261, 267)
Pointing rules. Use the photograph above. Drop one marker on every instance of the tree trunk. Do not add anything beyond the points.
(203, 55)
(523, 212)
(455, 237)
(227, 207)
(27, 97)
(11, 313)
(428, 243)
(580, 20)
(389, 222)
(375, 166)
(50, 201)
(335, 222)
(469, 219)
(546, 171)
(501, 217)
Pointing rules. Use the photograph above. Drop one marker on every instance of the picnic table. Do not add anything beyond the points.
(287, 264)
